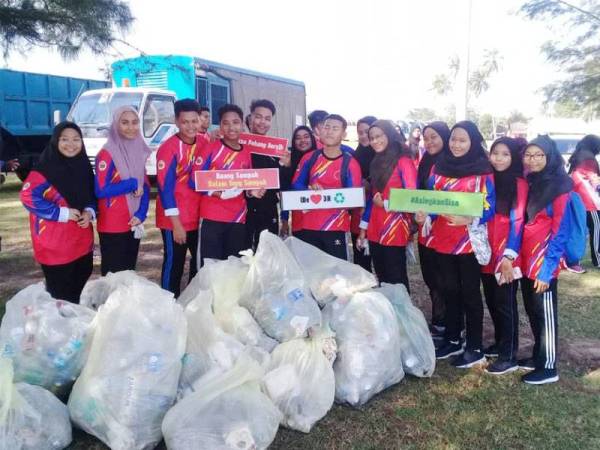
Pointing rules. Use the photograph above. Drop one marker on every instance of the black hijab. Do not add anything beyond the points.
(364, 154)
(585, 152)
(298, 154)
(506, 181)
(427, 161)
(551, 182)
(384, 163)
(474, 162)
(72, 177)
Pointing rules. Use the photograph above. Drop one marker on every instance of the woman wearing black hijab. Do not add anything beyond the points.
(435, 138)
(505, 229)
(545, 236)
(59, 194)
(585, 172)
(464, 168)
(303, 142)
(364, 155)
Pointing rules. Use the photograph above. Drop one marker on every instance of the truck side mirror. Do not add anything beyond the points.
(56, 117)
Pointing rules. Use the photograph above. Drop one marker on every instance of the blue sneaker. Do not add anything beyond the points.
(500, 367)
(450, 348)
(468, 359)
(541, 376)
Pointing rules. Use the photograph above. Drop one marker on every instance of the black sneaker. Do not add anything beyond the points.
(491, 351)
(437, 331)
(541, 376)
(449, 349)
(468, 359)
(526, 364)
(500, 367)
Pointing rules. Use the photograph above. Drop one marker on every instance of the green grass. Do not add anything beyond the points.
(452, 410)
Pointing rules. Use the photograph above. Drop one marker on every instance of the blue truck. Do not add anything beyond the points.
(30, 103)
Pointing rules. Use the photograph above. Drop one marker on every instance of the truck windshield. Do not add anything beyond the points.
(93, 113)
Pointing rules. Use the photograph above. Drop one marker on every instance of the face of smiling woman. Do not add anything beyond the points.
(460, 143)
(69, 143)
(378, 139)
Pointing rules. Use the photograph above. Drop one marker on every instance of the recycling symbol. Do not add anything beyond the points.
(339, 198)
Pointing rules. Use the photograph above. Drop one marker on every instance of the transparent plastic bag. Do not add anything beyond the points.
(418, 351)
(224, 280)
(329, 277)
(31, 418)
(131, 376)
(96, 292)
(227, 411)
(300, 380)
(47, 339)
(368, 337)
(276, 294)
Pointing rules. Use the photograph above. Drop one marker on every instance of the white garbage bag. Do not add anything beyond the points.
(276, 294)
(208, 347)
(131, 376)
(418, 351)
(47, 339)
(227, 411)
(224, 279)
(96, 292)
(31, 418)
(300, 380)
(368, 338)
(329, 277)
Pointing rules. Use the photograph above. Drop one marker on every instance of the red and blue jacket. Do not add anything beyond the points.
(176, 163)
(588, 190)
(111, 190)
(56, 239)
(389, 227)
(326, 172)
(218, 156)
(423, 239)
(454, 240)
(544, 241)
(505, 233)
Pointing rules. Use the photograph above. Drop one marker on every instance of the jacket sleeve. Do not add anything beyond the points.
(105, 172)
(302, 175)
(142, 211)
(517, 222)
(366, 215)
(489, 202)
(354, 173)
(166, 179)
(34, 200)
(558, 238)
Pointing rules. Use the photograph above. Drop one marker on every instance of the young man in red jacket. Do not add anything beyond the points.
(177, 204)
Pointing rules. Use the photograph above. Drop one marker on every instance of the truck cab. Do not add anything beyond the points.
(92, 111)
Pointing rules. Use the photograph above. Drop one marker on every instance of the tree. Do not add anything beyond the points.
(65, 25)
(578, 56)
(422, 114)
(517, 116)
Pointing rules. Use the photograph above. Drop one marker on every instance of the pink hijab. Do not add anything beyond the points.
(129, 155)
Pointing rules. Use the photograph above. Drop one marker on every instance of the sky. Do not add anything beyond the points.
(355, 57)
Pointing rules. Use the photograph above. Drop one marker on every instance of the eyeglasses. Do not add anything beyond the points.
(535, 157)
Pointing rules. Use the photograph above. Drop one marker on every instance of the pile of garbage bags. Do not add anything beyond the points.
(254, 342)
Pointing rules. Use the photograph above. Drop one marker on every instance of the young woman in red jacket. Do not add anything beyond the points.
(585, 172)
(59, 195)
(465, 168)
(123, 191)
(505, 231)
(388, 231)
(436, 136)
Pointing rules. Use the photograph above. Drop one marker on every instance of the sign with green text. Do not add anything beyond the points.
(437, 202)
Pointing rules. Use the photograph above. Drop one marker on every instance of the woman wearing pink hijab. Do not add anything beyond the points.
(123, 191)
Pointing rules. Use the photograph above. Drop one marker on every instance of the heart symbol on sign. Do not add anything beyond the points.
(315, 198)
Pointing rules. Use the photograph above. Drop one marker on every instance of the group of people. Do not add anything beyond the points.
(526, 189)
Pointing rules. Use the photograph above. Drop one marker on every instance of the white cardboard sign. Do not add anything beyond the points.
(344, 198)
